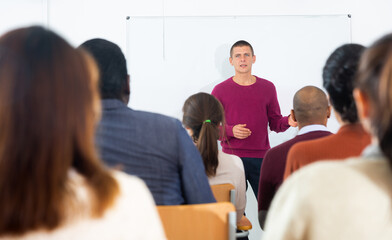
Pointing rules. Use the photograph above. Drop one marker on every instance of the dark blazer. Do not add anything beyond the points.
(155, 148)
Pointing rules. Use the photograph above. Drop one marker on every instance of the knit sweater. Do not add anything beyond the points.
(231, 170)
(133, 214)
(256, 106)
(349, 141)
(335, 200)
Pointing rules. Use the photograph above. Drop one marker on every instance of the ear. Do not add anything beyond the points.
(329, 111)
(128, 81)
(190, 132)
(362, 103)
(126, 91)
(231, 61)
(254, 59)
(293, 114)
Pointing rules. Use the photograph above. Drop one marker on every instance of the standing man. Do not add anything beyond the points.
(250, 105)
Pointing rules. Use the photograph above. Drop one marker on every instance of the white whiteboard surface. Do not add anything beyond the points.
(171, 58)
(19, 13)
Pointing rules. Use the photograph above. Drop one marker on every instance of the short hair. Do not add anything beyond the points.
(310, 105)
(338, 79)
(204, 114)
(112, 67)
(241, 43)
(49, 106)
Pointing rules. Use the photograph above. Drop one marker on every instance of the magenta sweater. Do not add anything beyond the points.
(256, 106)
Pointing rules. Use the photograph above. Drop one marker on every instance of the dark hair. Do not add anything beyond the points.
(49, 106)
(241, 43)
(338, 79)
(375, 81)
(112, 67)
(204, 114)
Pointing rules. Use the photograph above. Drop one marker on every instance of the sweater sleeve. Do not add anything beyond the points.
(229, 130)
(277, 122)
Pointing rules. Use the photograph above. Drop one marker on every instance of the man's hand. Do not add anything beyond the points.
(292, 121)
(241, 132)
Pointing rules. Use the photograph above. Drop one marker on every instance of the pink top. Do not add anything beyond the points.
(256, 106)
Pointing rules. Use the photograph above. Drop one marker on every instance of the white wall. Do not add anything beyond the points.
(79, 20)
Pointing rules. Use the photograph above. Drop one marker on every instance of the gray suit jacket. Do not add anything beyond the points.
(155, 148)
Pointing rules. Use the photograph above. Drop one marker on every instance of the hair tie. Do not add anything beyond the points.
(207, 121)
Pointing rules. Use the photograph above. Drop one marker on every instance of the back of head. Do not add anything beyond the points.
(203, 114)
(49, 105)
(338, 79)
(375, 80)
(241, 43)
(310, 106)
(112, 66)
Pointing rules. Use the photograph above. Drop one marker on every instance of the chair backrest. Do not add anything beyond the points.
(224, 192)
(211, 221)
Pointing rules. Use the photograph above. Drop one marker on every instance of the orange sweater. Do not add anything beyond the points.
(349, 141)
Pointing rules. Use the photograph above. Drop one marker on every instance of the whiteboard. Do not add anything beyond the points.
(18, 13)
(171, 58)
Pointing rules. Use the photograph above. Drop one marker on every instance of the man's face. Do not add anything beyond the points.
(242, 59)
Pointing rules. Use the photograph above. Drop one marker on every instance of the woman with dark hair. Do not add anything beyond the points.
(350, 199)
(203, 116)
(52, 183)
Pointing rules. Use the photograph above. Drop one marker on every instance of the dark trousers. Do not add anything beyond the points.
(252, 172)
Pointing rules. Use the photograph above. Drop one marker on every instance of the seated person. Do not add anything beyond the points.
(338, 79)
(154, 147)
(52, 184)
(203, 117)
(311, 112)
(346, 199)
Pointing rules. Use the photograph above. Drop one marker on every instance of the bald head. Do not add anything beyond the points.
(311, 106)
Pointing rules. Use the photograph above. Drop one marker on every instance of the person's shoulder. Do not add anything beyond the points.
(264, 82)
(226, 82)
(373, 167)
(333, 190)
(132, 114)
(135, 204)
(278, 150)
(313, 144)
(154, 118)
(223, 85)
(271, 154)
(132, 189)
(343, 175)
(127, 182)
(232, 159)
(315, 177)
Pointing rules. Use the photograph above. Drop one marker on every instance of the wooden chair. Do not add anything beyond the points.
(226, 193)
(212, 221)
